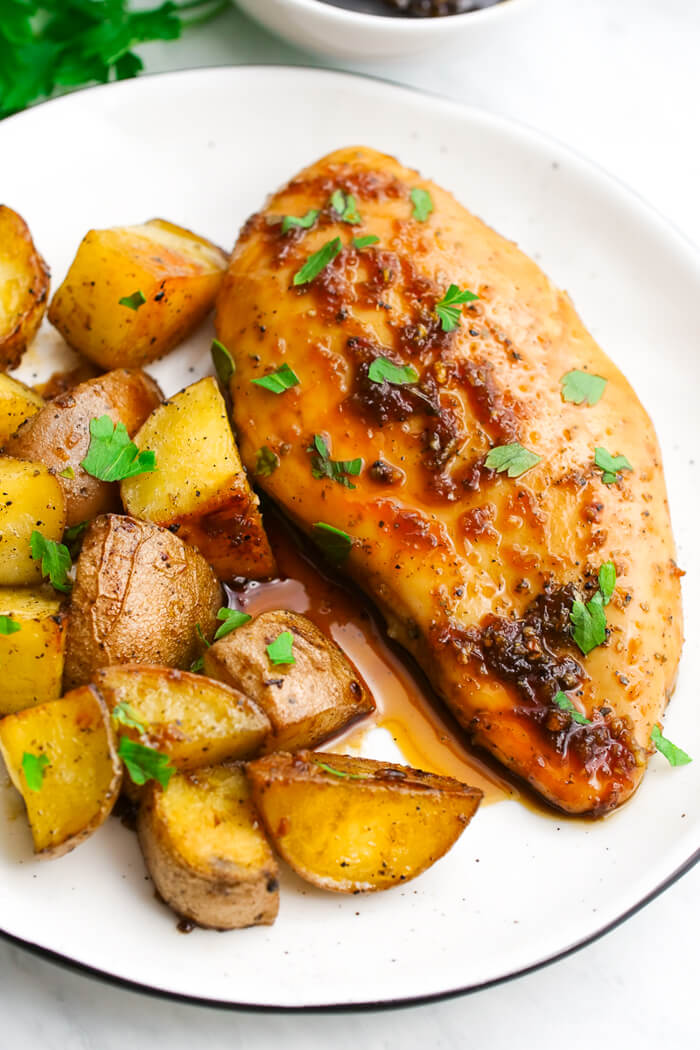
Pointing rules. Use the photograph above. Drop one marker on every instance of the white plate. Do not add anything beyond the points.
(203, 148)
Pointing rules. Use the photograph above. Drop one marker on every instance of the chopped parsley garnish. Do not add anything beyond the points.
(134, 301)
(364, 242)
(283, 378)
(232, 619)
(112, 455)
(334, 543)
(578, 386)
(125, 715)
(449, 309)
(562, 701)
(8, 625)
(422, 204)
(304, 222)
(33, 767)
(73, 537)
(197, 666)
(55, 560)
(675, 756)
(318, 261)
(610, 465)
(144, 763)
(382, 370)
(338, 772)
(513, 459)
(607, 578)
(280, 651)
(266, 462)
(322, 466)
(223, 363)
(345, 206)
(68, 473)
(589, 623)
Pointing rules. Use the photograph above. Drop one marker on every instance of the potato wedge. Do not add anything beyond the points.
(139, 595)
(350, 824)
(191, 719)
(32, 657)
(31, 499)
(17, 403)
(200, 489)
(306, 701)
(177, 273)
(59, 435)
(24, 288)
(80, 780)
(206, 852)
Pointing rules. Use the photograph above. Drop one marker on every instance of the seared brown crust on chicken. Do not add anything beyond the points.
(476, 572)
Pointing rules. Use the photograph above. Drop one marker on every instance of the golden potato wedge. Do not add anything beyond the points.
(72, 753)
(306, 701)
(139, 595)
(206, 852)
(17, 403)
(191, 719)
(24, 288)
(200, 488)
(59, 435)
(350, 824)
(173, 274)
(31, 498)
(31, 657)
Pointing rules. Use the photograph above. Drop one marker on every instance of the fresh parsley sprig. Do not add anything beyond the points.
(611, 466)
(8, 625)
(318, 261)
(55, 560)
(345, 207)
(449, 308)
(674, 755)
(145, 763)
(280, 651)
(422, 204)
(112, 455)
(512, 459)
(266, 462)
(382, 370)
(588, 620)
(334, 543)
(283, 378)
(50, 44)
(564, 704)
(33, 767)
(322, 466)
(303, 222)
(578, 386)
(231, 619)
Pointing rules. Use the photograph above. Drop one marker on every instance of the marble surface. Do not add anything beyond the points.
(620, 82)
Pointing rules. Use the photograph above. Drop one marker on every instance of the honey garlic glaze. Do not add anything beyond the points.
(426, 736)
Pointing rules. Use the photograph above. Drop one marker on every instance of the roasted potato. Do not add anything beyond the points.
(349, 824)
(17, 403)
(200, 488)
(191, 719)
(31, 658)
(140, 593)
(24, 288)
(31, 498)
(306, 701)
(206, 852)
(61, 758)
(59, 435)
(67, 378)
(168, 275)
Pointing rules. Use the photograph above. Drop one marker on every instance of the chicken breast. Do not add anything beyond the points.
(486, 564)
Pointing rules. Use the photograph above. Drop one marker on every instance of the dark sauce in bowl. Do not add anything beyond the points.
(413, 8)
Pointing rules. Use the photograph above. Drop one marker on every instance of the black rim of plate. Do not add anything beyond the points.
(85, 970)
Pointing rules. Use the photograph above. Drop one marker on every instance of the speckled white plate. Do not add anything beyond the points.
(203, 148)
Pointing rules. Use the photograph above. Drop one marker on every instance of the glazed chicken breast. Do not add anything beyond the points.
(475, 462)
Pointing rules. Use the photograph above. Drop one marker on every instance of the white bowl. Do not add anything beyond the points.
(318, 26)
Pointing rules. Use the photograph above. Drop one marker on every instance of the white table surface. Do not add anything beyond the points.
(619, 81)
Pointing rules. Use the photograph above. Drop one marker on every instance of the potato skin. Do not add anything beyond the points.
(205, 851)
(306, 701)
(178, 272)
(212, 507)
(31, 658)
(24, 288)
(59, 435)
(358, 824)
(138, 596)
(81, 783)
(30, 498)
